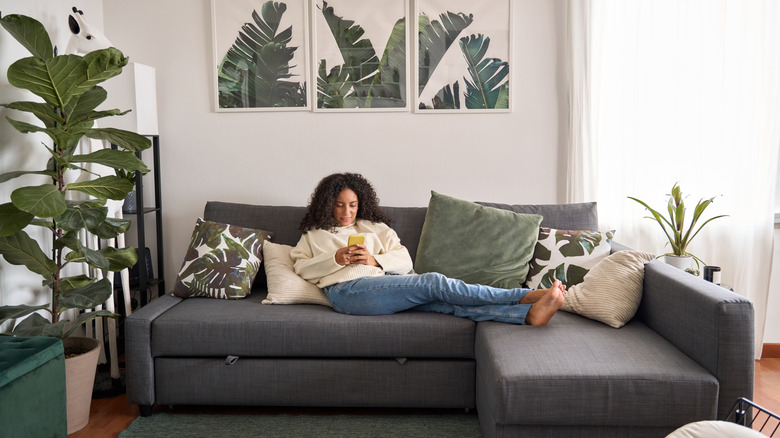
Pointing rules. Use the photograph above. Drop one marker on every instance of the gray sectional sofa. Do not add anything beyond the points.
(687, 355)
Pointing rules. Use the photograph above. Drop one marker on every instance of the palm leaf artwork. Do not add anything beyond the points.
(362, 80)
(488, 87)
(435, 38)
(255, 71)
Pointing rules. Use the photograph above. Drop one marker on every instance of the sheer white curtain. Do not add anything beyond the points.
(665, 91)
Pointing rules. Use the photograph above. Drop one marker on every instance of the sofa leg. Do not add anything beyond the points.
(146, 410)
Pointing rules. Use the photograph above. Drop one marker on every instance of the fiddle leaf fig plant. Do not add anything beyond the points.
(68, 87)
(677, 231)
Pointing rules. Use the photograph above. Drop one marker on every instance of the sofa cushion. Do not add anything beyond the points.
(222, 261)
(579, 372)
(205, 327)
(566, 255)
(284, 285)
(476, 244)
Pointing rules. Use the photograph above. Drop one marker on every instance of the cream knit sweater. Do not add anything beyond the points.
(315, 261)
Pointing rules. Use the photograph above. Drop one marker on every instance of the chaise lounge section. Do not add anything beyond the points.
(686, 355)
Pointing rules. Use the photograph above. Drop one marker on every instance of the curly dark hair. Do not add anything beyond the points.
(319, 213)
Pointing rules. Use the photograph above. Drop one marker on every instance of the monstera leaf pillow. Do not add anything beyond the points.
(221, 261)
(566, 255)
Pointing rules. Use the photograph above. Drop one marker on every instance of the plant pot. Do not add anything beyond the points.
(80, 371)
(679, 262)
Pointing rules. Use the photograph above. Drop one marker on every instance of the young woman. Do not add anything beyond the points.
(376, 278)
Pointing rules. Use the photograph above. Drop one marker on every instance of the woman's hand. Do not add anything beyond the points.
(355, 255)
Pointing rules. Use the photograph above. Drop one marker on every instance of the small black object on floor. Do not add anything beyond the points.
(105, 386)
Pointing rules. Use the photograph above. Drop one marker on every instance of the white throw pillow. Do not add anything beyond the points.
(284, 285)
(612, 290)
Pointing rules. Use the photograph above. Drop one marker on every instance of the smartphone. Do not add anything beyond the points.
(356, 239)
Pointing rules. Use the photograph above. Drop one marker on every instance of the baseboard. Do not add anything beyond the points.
(771, 351)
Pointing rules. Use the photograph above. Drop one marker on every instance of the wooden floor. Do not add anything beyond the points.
(111, 416)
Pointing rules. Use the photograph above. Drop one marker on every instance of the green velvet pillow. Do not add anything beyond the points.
(475, 243)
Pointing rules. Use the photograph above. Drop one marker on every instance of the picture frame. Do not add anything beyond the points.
(250, 74)
(463, 56)
(361, 55)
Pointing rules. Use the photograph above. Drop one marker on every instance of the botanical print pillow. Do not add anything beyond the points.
(566, 255)
(221, 261)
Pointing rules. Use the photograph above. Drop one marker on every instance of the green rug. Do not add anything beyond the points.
(164, 425)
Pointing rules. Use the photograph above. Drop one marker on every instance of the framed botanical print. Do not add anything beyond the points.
(260, 55)
(361, 55)
(463, 55)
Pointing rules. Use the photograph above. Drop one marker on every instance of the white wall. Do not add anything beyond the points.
(277, 158)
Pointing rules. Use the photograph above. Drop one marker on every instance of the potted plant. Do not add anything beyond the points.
(680, 235)
(68, 86)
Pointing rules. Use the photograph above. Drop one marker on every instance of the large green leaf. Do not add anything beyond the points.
(13, 220)
(110, 228)
(85, 317)
(36, 325)
(81, 254)
(66, 138)
(112, 158)
(55, 80)
(102, 64)
(86, 297)
(80, 108)
(30, 33)
(74, 282)
(487, 74)
(435, 38)
(21, 249)
(17, 173)
(24, 127)
(41, 201)
(43, 111)
(107, 187)
(124, 139)
(77, 217)
(20, 311)
(360, 60)
(120, 258)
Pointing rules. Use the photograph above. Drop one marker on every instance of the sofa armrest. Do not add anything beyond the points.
(709, 323)
(139, 363)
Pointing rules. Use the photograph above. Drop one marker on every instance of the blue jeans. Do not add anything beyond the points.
(431, 292)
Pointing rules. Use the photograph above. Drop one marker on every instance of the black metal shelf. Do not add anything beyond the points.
(146, 284)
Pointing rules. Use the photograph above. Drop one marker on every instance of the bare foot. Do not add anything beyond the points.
(545, 307)
(535, 295)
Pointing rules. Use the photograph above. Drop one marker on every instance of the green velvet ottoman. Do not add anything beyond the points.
(32, 387)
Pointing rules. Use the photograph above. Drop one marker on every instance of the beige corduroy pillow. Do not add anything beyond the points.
(612, 290)
(284, 285)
